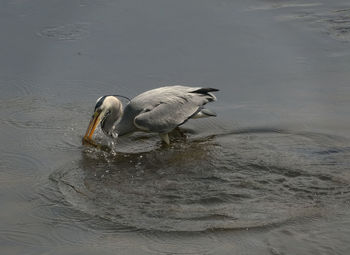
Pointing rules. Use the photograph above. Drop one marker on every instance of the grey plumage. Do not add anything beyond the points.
(158, 110)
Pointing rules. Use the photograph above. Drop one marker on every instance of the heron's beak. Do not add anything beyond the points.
(95, 120)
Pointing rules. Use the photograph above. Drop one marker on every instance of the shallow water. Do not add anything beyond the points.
(269, 175)
(249, 179)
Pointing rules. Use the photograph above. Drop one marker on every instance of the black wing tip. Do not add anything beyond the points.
(204, 90)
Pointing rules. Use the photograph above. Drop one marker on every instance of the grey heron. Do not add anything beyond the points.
(159, 110)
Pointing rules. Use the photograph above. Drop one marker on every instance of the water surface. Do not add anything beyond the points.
(269, 175)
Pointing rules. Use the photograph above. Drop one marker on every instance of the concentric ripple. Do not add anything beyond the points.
(65, 32)
(242, 179)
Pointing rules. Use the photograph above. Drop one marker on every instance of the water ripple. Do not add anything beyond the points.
(71, 32)
(237, 180)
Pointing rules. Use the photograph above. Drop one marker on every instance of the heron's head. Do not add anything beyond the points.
(108, 110)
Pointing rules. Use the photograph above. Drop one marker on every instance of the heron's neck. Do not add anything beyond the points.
(126, 123)
(108, 123)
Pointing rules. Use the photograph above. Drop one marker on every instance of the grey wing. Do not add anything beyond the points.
(164, 117)
(172, 111)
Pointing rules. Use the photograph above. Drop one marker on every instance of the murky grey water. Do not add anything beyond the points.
(269, 175)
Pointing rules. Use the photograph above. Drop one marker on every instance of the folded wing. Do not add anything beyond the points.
(173, 109)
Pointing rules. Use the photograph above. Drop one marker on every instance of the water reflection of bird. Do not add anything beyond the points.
(158, 110)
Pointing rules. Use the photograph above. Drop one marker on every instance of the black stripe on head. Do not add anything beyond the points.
(100, 102)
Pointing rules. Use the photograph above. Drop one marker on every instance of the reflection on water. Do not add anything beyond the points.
(236, 180)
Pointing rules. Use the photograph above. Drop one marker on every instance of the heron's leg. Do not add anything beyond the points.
(180, 132)
(165, 138)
